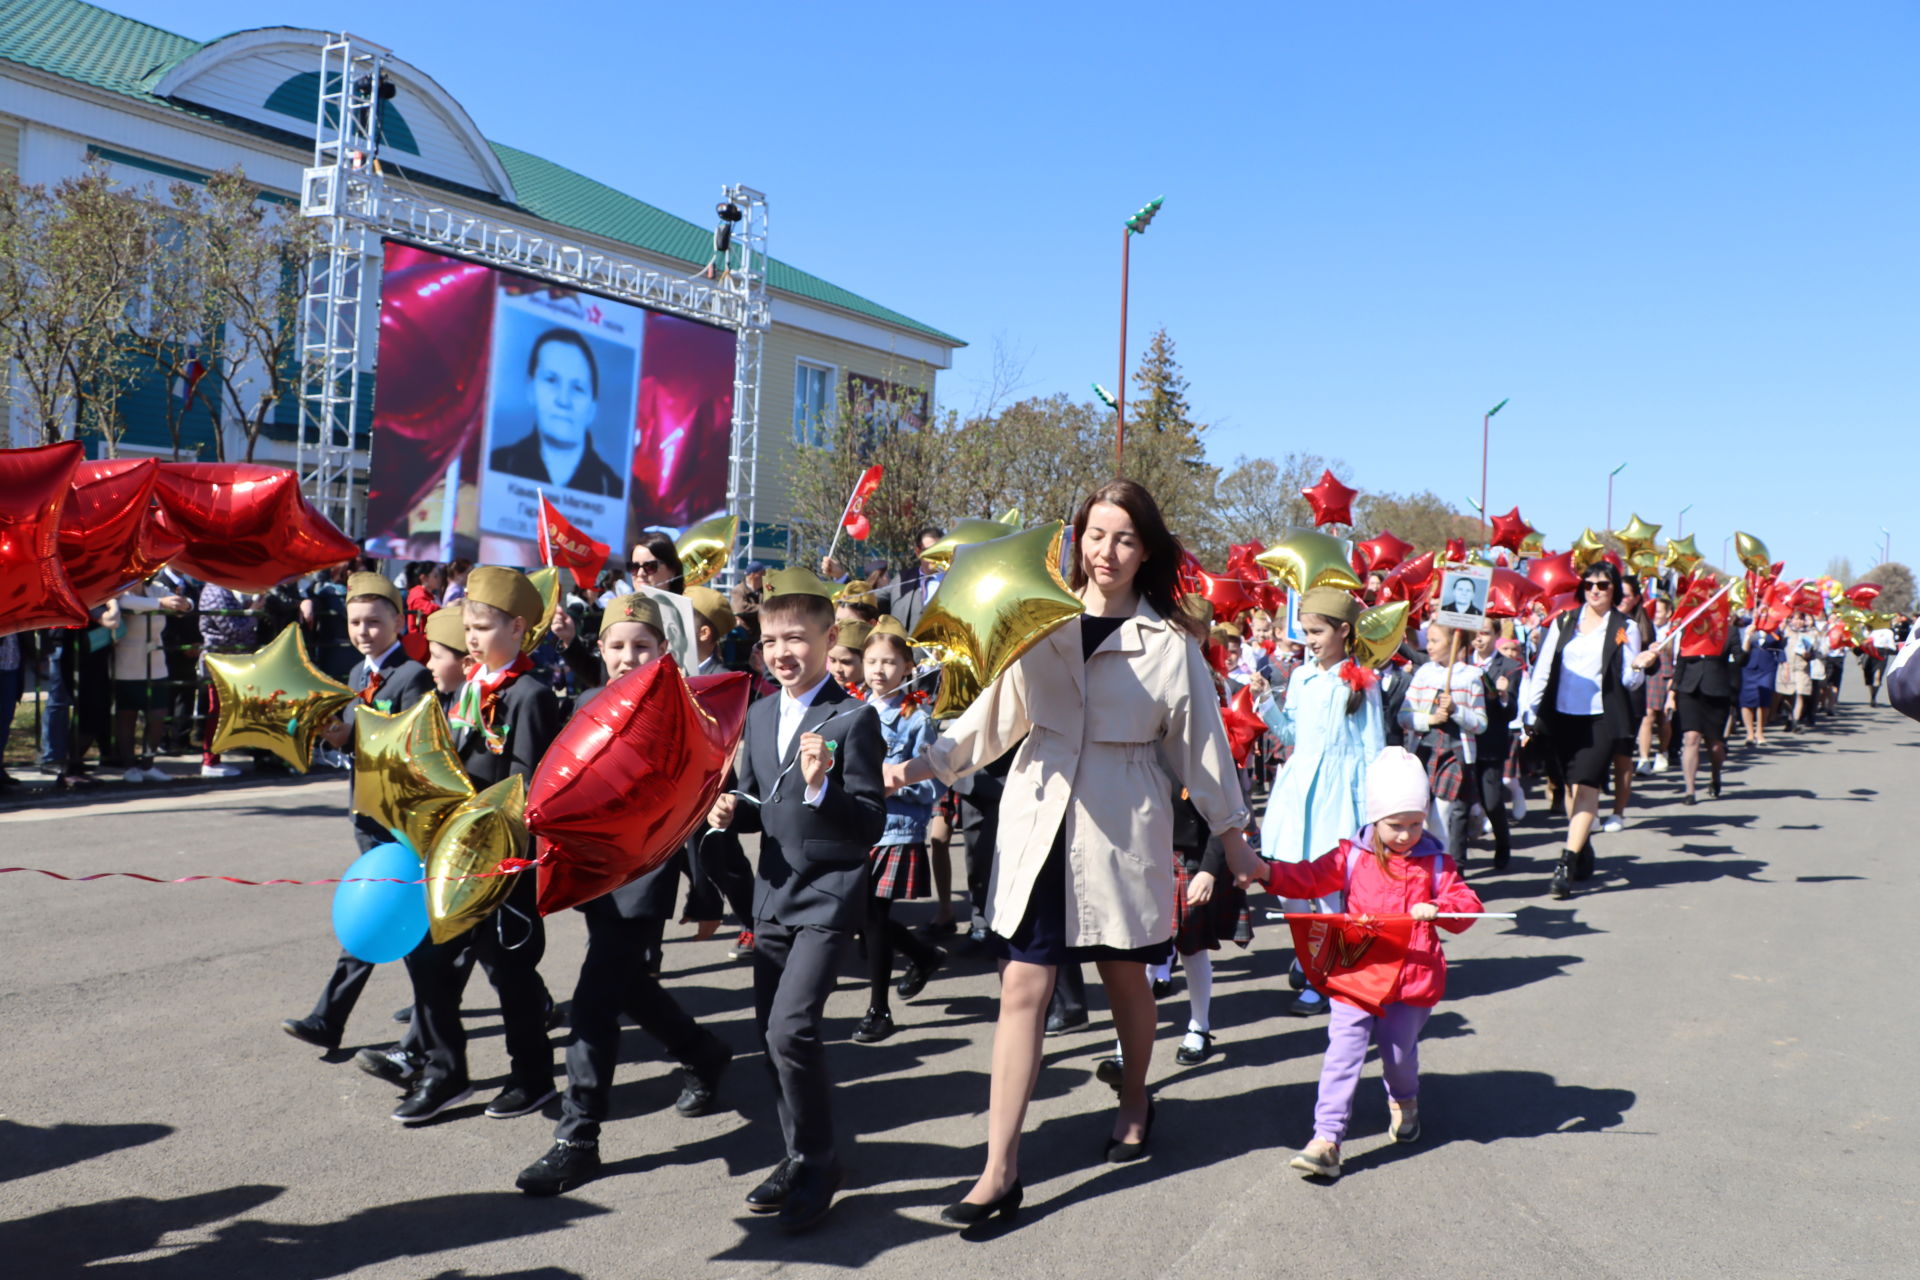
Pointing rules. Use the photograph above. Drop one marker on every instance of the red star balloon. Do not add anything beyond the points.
(1456, 550)
(1191, 580)
(1555, 574)
(1410, 580)
(1332, 501)
(1510, 531)
(1864, 593)
(35, 590)
(1510, 594)
(110, 537)
(630, 776)
(1383, 551)
(1229, 596)
(246, 526)
(1244, 726)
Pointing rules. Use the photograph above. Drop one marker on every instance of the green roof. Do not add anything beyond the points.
(84, 42)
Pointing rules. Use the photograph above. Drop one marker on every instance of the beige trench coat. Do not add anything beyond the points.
(1097, 732)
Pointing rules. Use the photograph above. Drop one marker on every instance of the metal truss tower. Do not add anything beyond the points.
(346, 188)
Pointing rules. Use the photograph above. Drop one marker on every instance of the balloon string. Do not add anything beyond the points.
(525, 864)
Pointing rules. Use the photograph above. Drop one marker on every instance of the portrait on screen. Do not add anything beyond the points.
(563, 402)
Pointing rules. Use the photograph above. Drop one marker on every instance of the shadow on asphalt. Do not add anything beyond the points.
(27, 1152)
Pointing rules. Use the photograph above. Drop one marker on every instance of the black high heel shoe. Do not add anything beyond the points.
(967, 1214)
(1119, 1152)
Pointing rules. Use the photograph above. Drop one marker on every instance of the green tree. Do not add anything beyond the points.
(1898, 593)
(1259, 499)
(1165, 451)
(1424, 519)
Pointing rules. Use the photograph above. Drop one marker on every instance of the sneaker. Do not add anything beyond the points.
(314, 1033)
(134, 775)
(429, 1098)
(1321, 1159)
(219, 770)
(875, 1027)
(157, 775)
(1613, 822)
(914, 980)
(565, 1166)
(393, 1064)
(1308, 1004)
(1657, 765)
(977, 932)
(518, 1100)
(1403, 1120)
(742, 948)
(701, 1081)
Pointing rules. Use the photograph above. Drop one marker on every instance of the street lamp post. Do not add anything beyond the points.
(1886, 555)
(1683, 520)
(1136, 226)
(1610, 475)
(1486, 431)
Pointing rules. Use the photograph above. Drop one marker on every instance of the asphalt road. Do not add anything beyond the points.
(1700, 1067)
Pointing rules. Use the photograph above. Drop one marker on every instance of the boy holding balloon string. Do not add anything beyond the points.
(387, 680)
(503, 724)
(615, 978)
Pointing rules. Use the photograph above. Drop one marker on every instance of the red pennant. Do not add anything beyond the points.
(854, 519)
(1356, 957)
(1705, 636)
(630, 776)
(563, 545)
(35, 590)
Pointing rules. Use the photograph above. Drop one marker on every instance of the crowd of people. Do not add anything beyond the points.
(1103, 813)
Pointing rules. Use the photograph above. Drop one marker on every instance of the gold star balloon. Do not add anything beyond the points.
(966, 533)
(1680, 555)
(1533, 544)
(1752, 552)
(998, 599)
(1587, 548)
(406, 773)
(1306, 559)
(1644, 563)
(274, 699)
(1011, 518)
(704, 548)
(1478, 557)
(547, 582)
(1379, 631)
(1638, 536)
(476, 836)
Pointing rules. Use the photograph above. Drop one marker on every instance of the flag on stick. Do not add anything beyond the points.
(565, 546)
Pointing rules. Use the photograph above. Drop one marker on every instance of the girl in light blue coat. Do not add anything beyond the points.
(1331, 718)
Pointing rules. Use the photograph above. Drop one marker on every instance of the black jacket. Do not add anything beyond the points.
(1501, 710)
(522, 458)
(813, 862)
(529, 715)
(1712, 677)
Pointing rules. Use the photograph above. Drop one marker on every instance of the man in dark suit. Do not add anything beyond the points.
(809, 783)
(563, 386)
(907, 598)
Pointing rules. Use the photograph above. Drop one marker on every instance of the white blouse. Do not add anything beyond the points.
(1579, 693)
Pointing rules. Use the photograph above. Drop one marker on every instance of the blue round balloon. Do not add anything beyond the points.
(375, 918)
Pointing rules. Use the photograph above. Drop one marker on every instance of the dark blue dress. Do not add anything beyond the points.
(1762, 669)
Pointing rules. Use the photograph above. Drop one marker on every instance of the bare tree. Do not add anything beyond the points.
(1258, 499)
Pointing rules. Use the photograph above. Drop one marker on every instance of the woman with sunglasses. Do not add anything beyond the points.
(1579, 695)
(656, 564)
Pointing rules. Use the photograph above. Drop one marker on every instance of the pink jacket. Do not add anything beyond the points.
(1405, 883)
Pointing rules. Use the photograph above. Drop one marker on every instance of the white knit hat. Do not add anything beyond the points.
(1396, 783)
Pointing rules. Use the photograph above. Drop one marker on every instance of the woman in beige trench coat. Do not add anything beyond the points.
(1103, 711)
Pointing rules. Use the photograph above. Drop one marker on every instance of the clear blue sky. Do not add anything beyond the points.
(1677, 235)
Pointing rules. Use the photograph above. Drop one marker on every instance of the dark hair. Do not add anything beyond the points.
(459, 567)
(666, 553)
(1612, 576)
(1355, 694)
(1159, 575)
(816, 611)
(864, 609)
(898, 641)
(571, 339)
(928, 529)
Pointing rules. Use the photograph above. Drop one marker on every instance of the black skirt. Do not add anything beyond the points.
(1582, 750)
(1697, 713)
(1042, 935)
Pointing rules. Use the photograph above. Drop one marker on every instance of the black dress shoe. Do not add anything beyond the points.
(810, 1197)
(1119, 1152)
(404, 1014)
(771, 1194)
(1060, 1024)
(565, 1166)
(1296, 976)
(1500, 860)
(393, 1064)
(518, 1100)
(1713, 789)
(1691, 799)
(1111, 1072)
(875, 1027)
(914, 980)
(1562, 886)
(968, 1214)
(699, 1082)
(1194, 1057)
(429, 1098)
(1162, 988)
(310, 1031)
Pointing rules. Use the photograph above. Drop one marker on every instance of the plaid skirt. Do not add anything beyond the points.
(900, 870)
(948, 806)
(1225, 917)
(1447, 774)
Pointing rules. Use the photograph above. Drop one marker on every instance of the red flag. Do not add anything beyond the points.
(854, 519)
(1706, 635)
(563, 545)
(1357, 957)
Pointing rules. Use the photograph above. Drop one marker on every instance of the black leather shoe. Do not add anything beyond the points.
(1194, 1057)
(429, 1098)
(1119, 1152)
(771, 1194)
(809, 1198)
(1562, 886)
(565, 1166)
(403, 1015)
(310, 1031)
(1713, 789)
(1583, 863)
(519, 1100)
(967, 1214)
(1058, 1025)
(875, 1027)
(1162, 988)
(1500, 860)
(699, 1082)
(1691, 799)
(1111, 1072)
(393, 1064)
(914, 980)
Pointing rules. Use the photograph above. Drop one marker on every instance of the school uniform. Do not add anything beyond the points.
(810, 893)
(518, 721)
(390, 683)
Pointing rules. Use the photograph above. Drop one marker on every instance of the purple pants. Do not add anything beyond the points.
(1398, 1033)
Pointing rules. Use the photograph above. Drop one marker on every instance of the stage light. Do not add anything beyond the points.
(364, 86)
(729, 211)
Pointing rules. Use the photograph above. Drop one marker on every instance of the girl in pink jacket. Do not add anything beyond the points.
(1390, 867)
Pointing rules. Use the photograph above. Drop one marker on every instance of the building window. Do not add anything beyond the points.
(812, 403)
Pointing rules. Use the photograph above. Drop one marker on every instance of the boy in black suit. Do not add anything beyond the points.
(387, 680)
(503, 723)
(616, 977)
(809, 783)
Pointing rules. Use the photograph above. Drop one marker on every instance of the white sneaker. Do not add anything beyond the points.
(156, 775)
(1659, 764)
(1613, 823)
(1641, 768)
(135, 774)
(219, 770)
